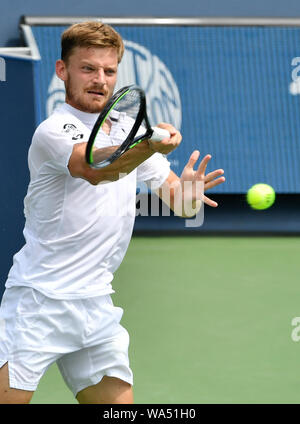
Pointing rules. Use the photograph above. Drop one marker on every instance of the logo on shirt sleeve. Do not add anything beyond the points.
(73, 131)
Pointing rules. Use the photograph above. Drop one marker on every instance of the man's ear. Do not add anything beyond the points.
(61, 70)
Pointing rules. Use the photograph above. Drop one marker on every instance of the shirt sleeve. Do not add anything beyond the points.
(52, 146)
(154, 171)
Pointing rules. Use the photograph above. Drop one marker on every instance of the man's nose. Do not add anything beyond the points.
(100, 76)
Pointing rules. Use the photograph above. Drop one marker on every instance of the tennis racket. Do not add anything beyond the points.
(128, 107)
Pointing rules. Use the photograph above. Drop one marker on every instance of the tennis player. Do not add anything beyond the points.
(57, 302)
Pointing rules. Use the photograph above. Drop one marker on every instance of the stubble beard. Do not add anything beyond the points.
(79, 102)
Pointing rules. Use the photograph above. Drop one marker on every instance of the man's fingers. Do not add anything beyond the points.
(169, 143)
(202, 167)
(214, 183)
(210, 202)
(193, 159)
(172, 130)
(212, 175)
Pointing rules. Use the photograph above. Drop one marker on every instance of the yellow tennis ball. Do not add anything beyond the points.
(261, 196)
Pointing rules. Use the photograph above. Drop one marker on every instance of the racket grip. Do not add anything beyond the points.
(159, 134)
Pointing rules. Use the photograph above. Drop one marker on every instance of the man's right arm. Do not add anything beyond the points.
(78, 167)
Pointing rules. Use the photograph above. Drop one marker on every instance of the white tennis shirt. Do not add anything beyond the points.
(76, 233)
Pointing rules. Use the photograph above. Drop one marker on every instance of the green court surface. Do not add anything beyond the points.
(210, 321)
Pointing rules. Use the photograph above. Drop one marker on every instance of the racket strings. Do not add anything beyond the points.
(130, 104)
(125, 111)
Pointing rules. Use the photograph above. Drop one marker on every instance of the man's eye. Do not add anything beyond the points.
(87, 68)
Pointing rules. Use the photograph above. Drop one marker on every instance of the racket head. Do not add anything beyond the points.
(129, 106)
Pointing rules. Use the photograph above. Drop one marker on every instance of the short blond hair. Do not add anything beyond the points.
(90, 34)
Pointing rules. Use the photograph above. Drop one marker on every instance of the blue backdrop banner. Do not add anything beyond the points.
(232, 91)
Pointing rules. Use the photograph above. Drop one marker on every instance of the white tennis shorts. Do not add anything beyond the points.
(84, 337)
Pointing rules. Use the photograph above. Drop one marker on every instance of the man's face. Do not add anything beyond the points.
(90, 76)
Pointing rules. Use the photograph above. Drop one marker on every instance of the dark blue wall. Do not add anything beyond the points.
(234, 95)
(17, 129)
(11, 12)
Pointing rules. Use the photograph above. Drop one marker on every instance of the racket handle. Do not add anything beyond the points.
(159, 134)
